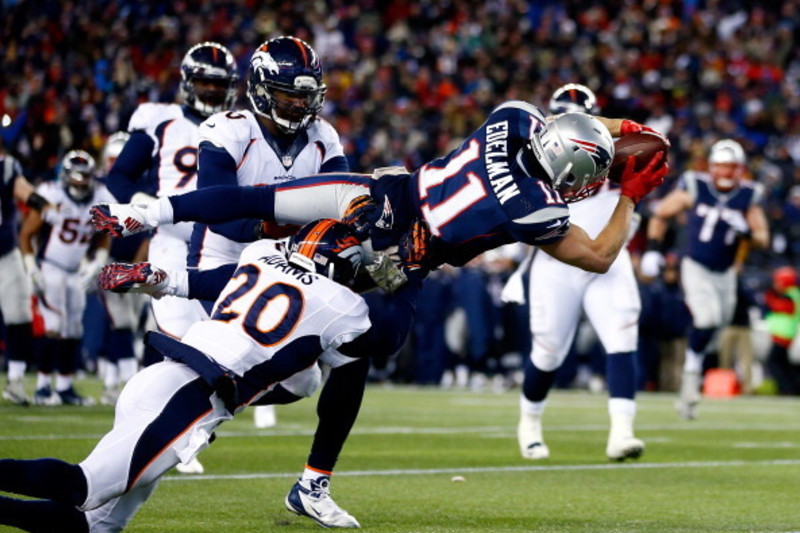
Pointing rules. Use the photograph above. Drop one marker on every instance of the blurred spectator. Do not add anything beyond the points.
(783, 318)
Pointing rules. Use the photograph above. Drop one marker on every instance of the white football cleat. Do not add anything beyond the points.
(312, 498)
(529, 437)
(15, 393)
(192, 467)
(619, 449)
(689, 396)
(264, 416)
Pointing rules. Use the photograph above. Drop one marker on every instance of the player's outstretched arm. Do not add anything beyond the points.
(597, 255)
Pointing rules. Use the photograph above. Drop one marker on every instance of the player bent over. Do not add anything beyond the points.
(285, 306)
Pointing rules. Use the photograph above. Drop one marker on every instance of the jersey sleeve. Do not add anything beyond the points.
(11, 171)
(330, 140)
(351, 319)
(230, 131)
(49, 192)
(147, 118)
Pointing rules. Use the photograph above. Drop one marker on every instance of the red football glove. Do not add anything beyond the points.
(638, 184)
(629, 126)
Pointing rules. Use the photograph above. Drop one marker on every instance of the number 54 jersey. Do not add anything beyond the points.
(270, 309)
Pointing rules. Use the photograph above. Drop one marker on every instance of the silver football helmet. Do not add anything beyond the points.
(576, 151)
(77, 175)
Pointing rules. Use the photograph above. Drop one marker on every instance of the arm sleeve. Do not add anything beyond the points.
(125, 178)
(213, 205)
(391, 322)
(215, 166)
(335, 164)
(208, 284)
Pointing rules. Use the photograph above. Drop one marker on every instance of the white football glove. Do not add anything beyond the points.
(652, 262)
(89, 270)
(34, 273)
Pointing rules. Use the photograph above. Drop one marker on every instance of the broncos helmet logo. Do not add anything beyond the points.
(263, 60)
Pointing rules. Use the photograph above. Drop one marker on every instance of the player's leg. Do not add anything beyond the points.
(324, 196)
(121, 311)
(612, 305)
(71, 334)
(53, 307)
(707, 300)
(555, 295)
(15, 305)
(337, 409)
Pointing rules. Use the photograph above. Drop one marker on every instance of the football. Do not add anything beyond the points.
(643, 146)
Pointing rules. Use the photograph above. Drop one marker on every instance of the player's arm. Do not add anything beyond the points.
(619, 127)
(26, 193)
(124, 179)
(759, 228)
(596, 255)
(673, 204)
(30, 228)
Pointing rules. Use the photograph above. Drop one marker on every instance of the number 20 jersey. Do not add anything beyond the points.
(270, 307)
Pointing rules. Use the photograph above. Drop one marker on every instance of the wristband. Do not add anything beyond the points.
(36, 201)
(652, 246)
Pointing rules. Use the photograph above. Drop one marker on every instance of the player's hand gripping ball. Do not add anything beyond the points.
(642, 146)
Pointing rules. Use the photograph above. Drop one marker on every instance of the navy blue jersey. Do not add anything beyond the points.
(711, 238)
(9, 170)
(480, 196)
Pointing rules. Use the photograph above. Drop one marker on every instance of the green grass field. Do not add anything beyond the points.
(736, 468)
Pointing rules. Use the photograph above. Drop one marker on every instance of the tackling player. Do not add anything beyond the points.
(284, 307)
(724, 210)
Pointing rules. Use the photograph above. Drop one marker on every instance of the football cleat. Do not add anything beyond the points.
(624, 448)
(120, 220)
(312, 498)
(46, 396)
(134, 277)
(529, 437)
(15, 393)
(110, 396)
(689, 396)
(192, 467)
(71, 397)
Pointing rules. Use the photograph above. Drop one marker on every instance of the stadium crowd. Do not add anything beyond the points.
(408, 80)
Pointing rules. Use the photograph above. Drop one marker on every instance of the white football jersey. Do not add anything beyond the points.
(258, 163)
(175, 139)
(67, 240)
(268, 305)
(593, 213)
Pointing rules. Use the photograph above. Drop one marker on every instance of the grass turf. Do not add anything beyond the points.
(734, 469)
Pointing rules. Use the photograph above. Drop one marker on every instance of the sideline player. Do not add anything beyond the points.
(557, 293)
(724, 210)
(282, 308)
(15, 285)
(61, 271)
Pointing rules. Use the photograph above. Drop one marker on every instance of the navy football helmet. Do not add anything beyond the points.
(212, 63)
(573, 98)
(329, 248)
(284, 83)
(77, 175)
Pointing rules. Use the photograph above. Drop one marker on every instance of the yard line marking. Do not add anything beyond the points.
(493, 469)
(487, 431)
